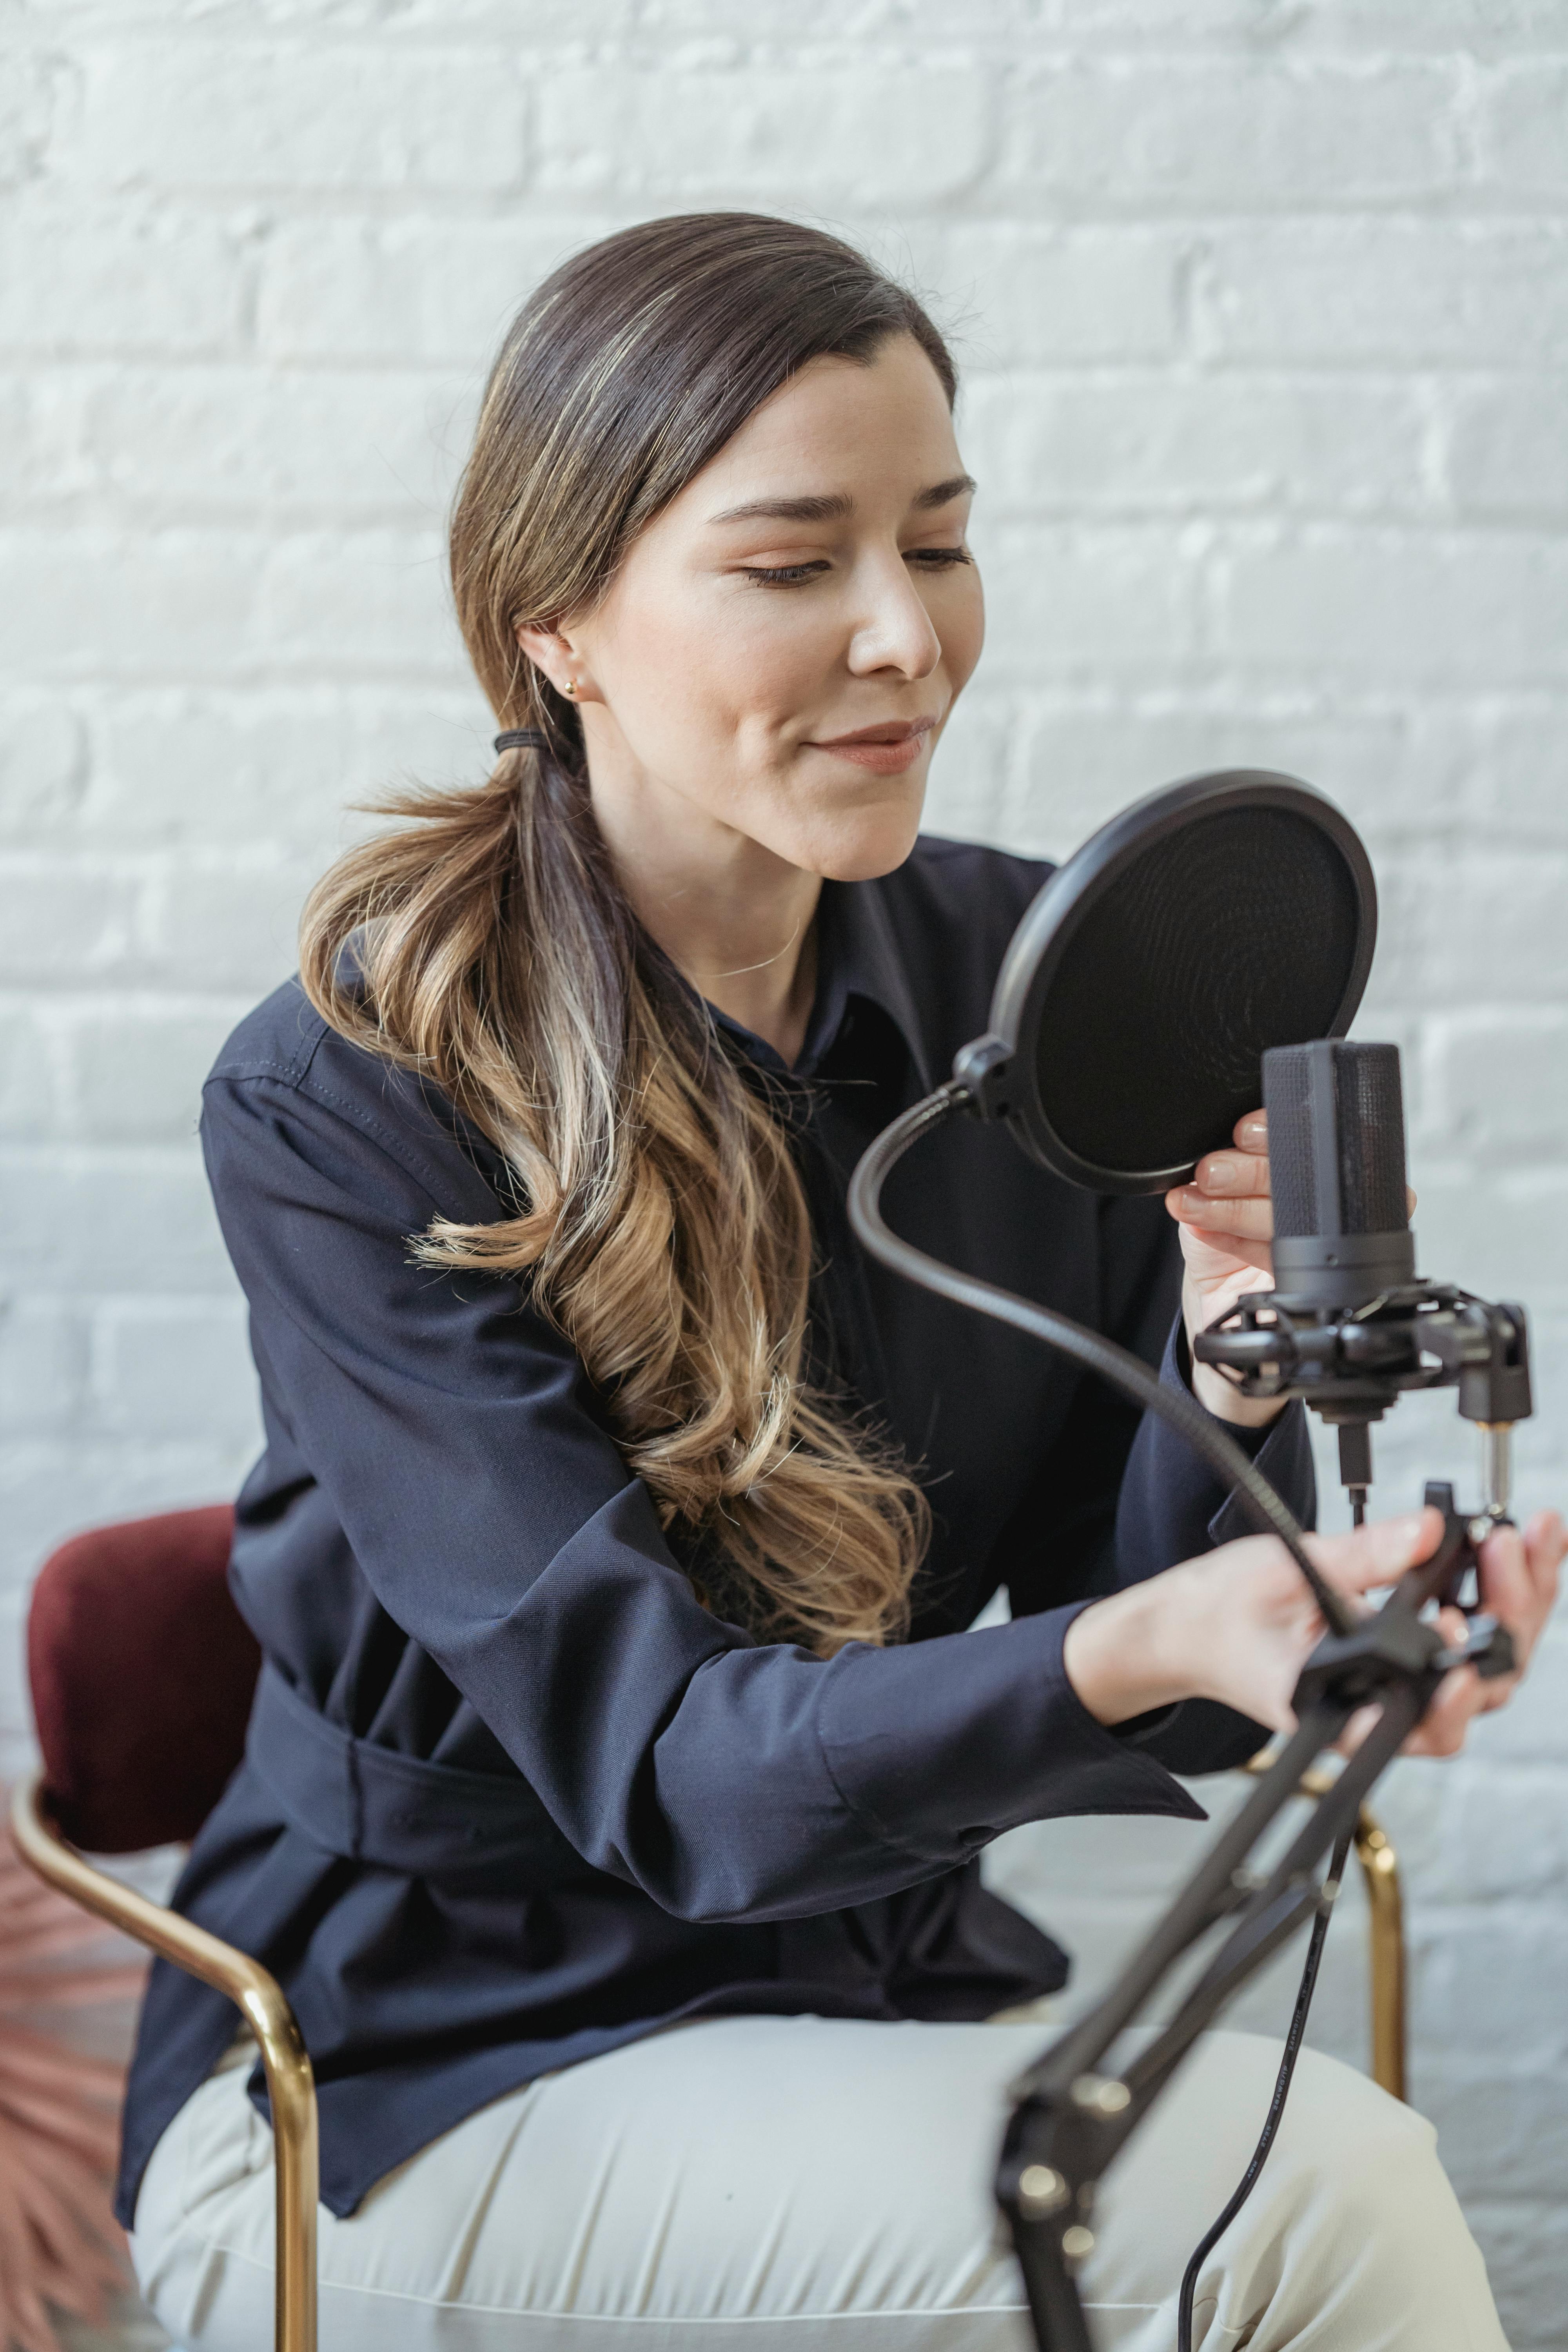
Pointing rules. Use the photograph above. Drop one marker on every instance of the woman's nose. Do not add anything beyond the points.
(894, 630)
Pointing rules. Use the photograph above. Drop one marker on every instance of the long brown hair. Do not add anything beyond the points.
(660, 1218)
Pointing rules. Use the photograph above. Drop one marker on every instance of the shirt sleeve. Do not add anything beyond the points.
(1125, 1495)
(1173, 1506)
(455, 1436)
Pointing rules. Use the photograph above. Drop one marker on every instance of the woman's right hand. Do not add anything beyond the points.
(1238, 1623)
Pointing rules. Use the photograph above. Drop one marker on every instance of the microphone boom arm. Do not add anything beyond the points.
(1070, 2117)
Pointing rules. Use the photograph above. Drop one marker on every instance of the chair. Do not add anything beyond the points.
(143, 1672)
(1385, 1930)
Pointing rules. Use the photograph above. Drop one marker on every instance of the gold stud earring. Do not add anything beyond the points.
(571, 689)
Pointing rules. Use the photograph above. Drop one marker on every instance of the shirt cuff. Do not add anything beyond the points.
(942, 1763)
(1182, 1509)
(1282, 1449)
(1251, 1437)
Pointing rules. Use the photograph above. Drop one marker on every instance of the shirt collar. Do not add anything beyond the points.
(858, 955)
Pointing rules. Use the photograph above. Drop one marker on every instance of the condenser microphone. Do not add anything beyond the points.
(1336, 1157)
(1348, 1324)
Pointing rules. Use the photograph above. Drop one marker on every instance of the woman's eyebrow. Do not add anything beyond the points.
(829, 508)
(833, 507)
(941, 494)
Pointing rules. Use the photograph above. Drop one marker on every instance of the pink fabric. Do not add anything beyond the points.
(67, 1984)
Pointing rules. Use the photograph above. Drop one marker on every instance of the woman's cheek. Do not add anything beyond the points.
(961, 627)
(955, 605)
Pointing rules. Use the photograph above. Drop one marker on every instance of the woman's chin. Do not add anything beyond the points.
(859, 845)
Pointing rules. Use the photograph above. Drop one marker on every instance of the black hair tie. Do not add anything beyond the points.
(522, 739)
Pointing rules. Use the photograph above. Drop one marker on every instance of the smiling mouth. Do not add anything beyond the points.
(888, 748)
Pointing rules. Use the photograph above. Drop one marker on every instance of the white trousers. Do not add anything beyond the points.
(803, 2184)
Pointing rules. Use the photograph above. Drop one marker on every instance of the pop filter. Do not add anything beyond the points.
(1142, 989)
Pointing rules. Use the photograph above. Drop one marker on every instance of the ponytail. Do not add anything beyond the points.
(658, 1216)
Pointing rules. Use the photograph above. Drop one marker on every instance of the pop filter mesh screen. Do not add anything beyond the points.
(1227, 935)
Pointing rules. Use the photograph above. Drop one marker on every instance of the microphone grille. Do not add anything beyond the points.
(1292, 1163)
(1336, 1138)
(1372, 1109)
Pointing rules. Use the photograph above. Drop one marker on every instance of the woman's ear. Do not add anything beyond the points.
(555, 656)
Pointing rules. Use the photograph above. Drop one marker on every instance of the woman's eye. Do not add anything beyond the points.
(792, 575)
(784, 575)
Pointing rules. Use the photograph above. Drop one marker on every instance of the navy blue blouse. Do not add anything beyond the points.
(512, 1795)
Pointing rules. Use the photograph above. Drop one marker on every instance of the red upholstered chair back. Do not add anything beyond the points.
(143, 1672)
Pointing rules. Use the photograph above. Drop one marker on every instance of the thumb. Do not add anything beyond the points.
(1378, 1552)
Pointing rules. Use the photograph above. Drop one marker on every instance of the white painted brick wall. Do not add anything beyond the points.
(1264, 309)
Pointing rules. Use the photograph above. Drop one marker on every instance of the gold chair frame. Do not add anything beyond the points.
(291, 2085)
(1386, 1930)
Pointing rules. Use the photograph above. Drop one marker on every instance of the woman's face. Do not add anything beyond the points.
(780, 649)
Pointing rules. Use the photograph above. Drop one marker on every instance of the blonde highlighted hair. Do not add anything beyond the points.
(660, 1218)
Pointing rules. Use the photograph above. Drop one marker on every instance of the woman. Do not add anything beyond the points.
(618, 1523)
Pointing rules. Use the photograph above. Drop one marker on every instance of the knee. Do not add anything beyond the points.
(1357, 2164)
(1347, 2118)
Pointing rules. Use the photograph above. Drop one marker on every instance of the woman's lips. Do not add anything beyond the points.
(887, 751)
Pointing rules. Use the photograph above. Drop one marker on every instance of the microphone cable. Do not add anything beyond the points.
(1267, 1510)
(1282, 2081)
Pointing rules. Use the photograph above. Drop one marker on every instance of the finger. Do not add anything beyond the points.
(1251, 1133)
(1252, 1219)
(1507, 1587)
(1211, 1257)
(1232, 1172)
(1220, 1264)
(1460, 1697)
(1545, 1544)
(1518, 1579)
(1232, 1252)
(1376, 1554)
(1548, 1529)
(1497, 1690)
(1452, 1625)
(1441, 1731)
(1362, 1721)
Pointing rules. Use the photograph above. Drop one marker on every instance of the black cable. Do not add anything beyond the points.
(1275, 2105)
(1117, 1366)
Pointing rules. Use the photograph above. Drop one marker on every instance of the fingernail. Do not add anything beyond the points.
(1254, 1131)
(1220, 1176)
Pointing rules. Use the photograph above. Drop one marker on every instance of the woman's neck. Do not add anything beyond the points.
(738, 921)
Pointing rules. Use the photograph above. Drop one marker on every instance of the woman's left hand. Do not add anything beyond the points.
(1227, 1217)
(1518, 1574)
